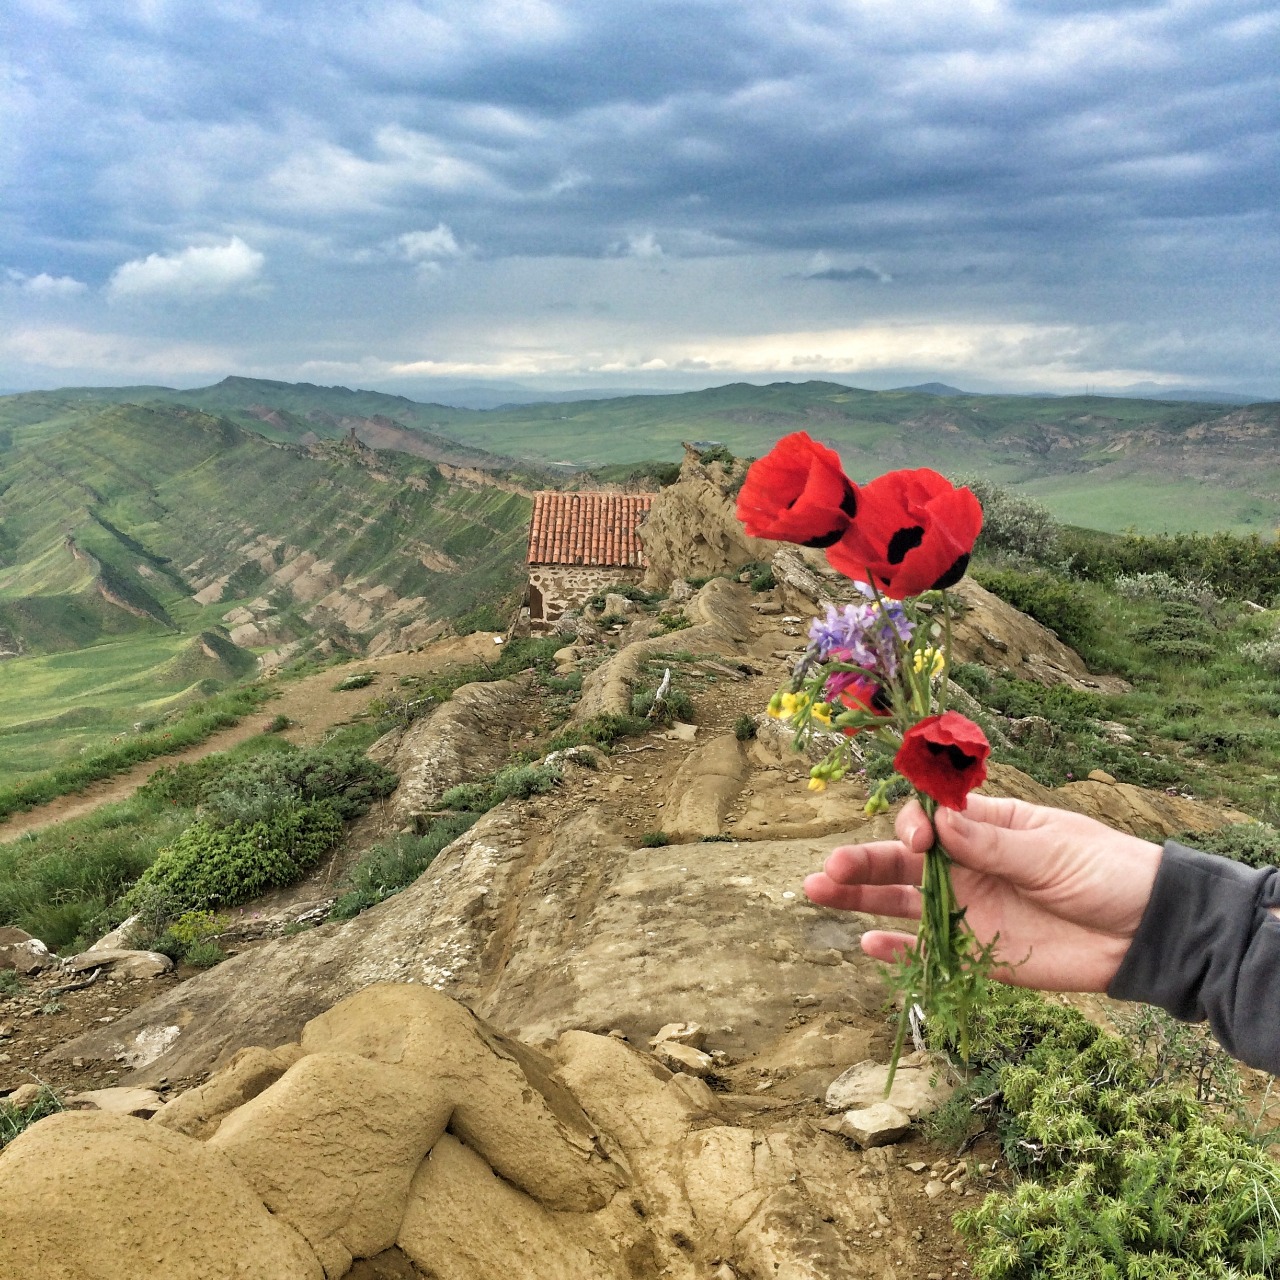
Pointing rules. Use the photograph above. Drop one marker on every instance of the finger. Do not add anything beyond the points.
(912, 826)
(880, 944)
(989, 847)
(898, 900)
(880, 862)
(1004, 811)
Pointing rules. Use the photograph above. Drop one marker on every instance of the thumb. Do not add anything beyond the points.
(983, 842)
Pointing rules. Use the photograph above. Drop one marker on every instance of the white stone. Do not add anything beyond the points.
(875, 1126)
(690, 1033)
(919, 1087)
(117, 939)
(120, 1101)
(683, 1057)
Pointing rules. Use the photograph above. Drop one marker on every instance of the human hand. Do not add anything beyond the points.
(1063, 892)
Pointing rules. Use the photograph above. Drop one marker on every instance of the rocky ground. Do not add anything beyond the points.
(682, 1013)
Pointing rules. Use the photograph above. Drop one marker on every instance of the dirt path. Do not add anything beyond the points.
(311, 703)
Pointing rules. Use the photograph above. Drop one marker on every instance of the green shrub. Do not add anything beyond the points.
(745, 728)
(10, 983)
(1254, 843)
(1014, 525)
(1057, 603)
(675, 705)
(1236, 567)
(670, 622)
(357, 680)
(1120, 1177)
(277, 724)
(627, 590)
(600, 731)
(220, 866)
(394, 864)
(655, 839)
(473, 797)
(269, 784)
(204, 955)
(520, 781)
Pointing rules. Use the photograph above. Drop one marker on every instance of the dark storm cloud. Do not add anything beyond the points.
(1054, 159)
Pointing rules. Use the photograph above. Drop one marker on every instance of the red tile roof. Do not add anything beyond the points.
(587, 528)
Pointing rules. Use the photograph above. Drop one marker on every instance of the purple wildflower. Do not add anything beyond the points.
(864, 635)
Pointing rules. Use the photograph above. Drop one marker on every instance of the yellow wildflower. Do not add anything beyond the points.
(817, 784)
(822, 713)
(932, 658)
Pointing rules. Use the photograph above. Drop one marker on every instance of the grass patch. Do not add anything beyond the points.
(187, 729)
(14, 1119)
(394, 864)
(1121, 1174)
(67, 883)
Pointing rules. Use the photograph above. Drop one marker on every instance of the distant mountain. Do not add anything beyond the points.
(935, 389)
(1106, 461)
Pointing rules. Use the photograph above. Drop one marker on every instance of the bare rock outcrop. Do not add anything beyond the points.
(722, 623)
(462, 740)
(692, 530)
(408, 1128)
(994, 633)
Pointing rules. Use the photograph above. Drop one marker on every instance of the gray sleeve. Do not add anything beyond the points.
(1208, 948)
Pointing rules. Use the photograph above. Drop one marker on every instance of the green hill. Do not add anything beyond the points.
(1100, 461)
(150, 552)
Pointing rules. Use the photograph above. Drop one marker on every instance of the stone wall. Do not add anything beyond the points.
(556, 588)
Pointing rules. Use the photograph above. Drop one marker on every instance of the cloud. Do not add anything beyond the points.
(196, 271)
(428, 249)
(47, 286)
(1096, 167)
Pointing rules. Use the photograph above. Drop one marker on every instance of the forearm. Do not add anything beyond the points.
(1208, 947)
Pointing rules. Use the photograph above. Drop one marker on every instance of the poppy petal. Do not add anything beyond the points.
(798, 492)
(944, 757)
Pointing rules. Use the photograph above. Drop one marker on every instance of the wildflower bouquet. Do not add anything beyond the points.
(877, 668)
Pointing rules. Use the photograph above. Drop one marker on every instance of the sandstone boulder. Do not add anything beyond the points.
(23, 953)
(120, 1101)
(91, 1194)
(462, 740)
(122, 962)
(920, 1086)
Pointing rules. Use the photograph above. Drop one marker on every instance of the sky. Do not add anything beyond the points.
(411, 195)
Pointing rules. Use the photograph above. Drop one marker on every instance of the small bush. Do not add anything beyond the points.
(277, 724)
(675, 705)
(1266, 653)
(627, 590)
(600, 731)
(392, 865)
(670, 622)
(1254, 843)
(744, 728)
(1165, 587)
(357, 680)
(204, 955)
(10, 983)
(1120, 1176)
(655, 839)
(214, 866)
(1057, 603)
(520, 781)
(1014, 525)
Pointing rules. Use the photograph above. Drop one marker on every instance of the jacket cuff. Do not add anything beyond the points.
(1207, 947)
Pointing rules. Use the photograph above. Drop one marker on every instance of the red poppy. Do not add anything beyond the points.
(798, 492)
(914, 532)
(945, 757)
(860, 693)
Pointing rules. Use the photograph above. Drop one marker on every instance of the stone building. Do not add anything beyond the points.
(581, 543)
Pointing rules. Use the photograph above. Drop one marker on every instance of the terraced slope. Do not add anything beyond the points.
(148, 553)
